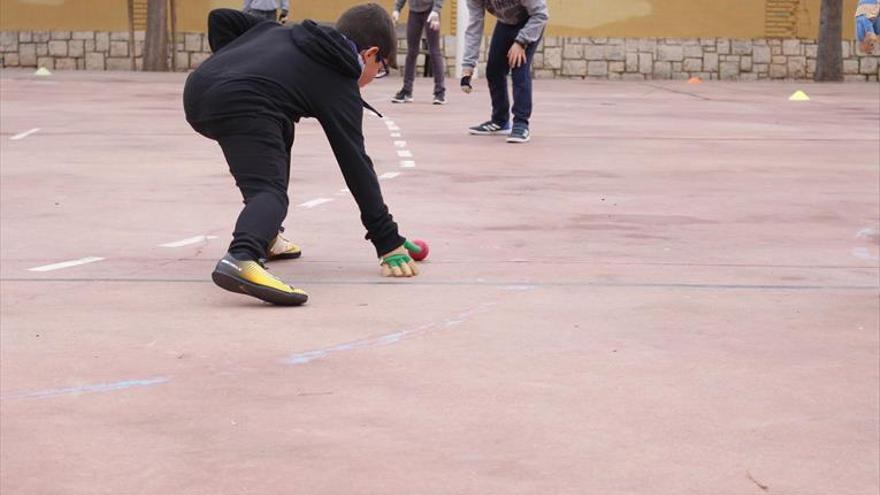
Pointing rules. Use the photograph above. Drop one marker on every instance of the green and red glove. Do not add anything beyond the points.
(398, 263)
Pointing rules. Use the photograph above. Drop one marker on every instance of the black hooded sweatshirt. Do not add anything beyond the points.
(263, 69)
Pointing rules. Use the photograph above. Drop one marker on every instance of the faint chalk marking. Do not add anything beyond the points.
(863, 253)
(315, 202)
(408, 164)
(388, 175)
(383, 340)
(395, 134)
(85, 389)
(404, 153)
(867, 234)
(65, 264)
(400, 144)
(189, 240)
(24, 134)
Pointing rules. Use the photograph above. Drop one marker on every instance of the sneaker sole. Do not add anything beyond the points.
(401, 101)
(503, 132)
(519, 140)
(439, 102)
(268, 294)
(285, 256)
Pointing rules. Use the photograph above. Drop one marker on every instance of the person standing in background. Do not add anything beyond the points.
(517, 33)
(424, 15)
(267, 9)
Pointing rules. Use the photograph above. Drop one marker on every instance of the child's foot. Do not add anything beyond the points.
(489, 128)
(439, 98)
(282, 249)
(402, 96)
(251, 278)
(519, 134)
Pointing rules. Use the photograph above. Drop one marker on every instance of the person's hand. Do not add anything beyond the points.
(466, 74)
(395, 15)
(434, 21)
(516, 56)
(283, 18)
(397, 263)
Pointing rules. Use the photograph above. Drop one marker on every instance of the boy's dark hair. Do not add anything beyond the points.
(370, 25)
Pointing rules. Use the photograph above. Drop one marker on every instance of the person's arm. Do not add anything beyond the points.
(342, 122)
(534, 28)
(474, 33)
(438, 6)
(225, 25)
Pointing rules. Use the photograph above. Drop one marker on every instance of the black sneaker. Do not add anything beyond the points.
(402, 96)
(519, 134)
(439, 99)
(252, 278)
(489, 128)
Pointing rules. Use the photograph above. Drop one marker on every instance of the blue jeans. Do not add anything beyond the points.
(497, 69)
(865, 26)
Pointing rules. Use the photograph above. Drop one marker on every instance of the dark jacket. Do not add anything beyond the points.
(263, 69)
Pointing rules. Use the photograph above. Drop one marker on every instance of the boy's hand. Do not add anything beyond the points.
(434, 21)
(466, 74)
(283, 18)
(395, 15)
(516, 56)
(397, 263)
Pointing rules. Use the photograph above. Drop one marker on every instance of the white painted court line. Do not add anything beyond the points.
(24, 134)
(388, 175)
(65, 264)
(404, 153)
(393, 128)
(408, 164)
(315, 202)
(342, 192)
(400, 144)
(189, 240)
(395, 134)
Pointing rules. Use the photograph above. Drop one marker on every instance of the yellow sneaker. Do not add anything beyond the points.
(252, 278)
(282, 249)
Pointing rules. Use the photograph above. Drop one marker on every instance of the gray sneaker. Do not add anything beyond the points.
(489, 128)
(439, 99)
(402, 96)
(519, 134)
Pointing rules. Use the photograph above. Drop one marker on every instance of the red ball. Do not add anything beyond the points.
(421, 254)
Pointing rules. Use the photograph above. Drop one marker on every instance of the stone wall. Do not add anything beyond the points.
(556, 57)
(90, 50)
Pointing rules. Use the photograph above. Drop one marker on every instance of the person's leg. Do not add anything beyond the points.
(259, 158)
(497, 69)
(414, 26)
(522, 88)
(438, 62)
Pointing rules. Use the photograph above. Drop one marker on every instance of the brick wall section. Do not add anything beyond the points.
(556, 57)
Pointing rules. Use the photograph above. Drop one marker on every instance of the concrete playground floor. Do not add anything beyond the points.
(672, 289)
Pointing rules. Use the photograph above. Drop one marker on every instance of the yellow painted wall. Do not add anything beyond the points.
(612, 18)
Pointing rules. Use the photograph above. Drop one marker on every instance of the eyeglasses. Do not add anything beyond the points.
(383, 71)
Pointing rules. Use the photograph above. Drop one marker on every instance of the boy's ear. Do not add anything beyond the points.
(370, 52)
